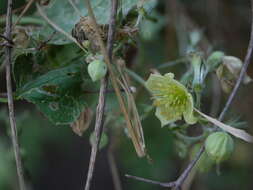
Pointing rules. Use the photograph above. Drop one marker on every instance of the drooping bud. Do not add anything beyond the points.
(214, 60)
(229, 71)
(97, 70)
(219, 146)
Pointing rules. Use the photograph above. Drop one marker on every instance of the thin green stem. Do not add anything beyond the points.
(26, 20)
(171, 63)
(136, 77)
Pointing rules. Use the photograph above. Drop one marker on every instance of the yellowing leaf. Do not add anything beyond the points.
(83, 122)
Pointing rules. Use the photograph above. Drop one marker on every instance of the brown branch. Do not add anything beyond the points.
(44, 43)
(102, 96)
(247, 60)
(8, 60)
(15, 10)
(171, 184)
(177, 185)
(10, 42)
(97, 131)
(114, 80)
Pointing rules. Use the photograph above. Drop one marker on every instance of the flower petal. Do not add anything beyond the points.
(171, 99)
(188, 114)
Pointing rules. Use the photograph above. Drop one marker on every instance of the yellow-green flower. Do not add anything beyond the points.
(171, 99)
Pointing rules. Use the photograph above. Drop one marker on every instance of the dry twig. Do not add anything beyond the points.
(102, 95)
(8, 60)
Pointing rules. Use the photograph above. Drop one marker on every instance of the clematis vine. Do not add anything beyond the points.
(172, 100)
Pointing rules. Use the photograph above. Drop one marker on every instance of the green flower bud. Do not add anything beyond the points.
(196, 59)
(97, 69)
(219, 146)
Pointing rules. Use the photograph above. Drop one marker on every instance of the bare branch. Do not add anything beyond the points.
(247, 60)
(97, 131)
(7, 39)
(102, 96)
(8, 60)
(171, 184)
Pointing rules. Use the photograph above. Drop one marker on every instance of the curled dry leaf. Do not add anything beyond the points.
(229, 71)
(234, 131)
(134, 126)
(83, 122)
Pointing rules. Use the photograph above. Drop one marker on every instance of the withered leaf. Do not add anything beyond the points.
(83, 122)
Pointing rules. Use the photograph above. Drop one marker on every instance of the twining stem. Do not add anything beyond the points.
(8, 60)
(102, 95)
(97, 131)
(247, 61)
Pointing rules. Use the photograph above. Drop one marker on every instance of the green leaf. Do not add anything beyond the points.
(31, 64)
(57, 94)
(23, 69)
(3, 100)
(64, 15)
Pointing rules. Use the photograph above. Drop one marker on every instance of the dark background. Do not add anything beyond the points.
(56, 158)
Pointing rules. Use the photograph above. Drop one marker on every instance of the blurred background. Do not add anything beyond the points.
(55, 158)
